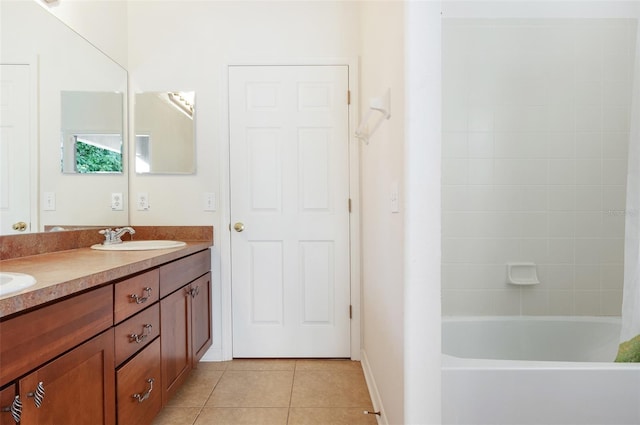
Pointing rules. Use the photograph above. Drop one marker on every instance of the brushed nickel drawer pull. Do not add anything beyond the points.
(15, 409)
(146, 331)
(194, 291)
(38, 395)
(143, 397)
(140, 300)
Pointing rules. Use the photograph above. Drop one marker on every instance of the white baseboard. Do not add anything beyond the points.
(373, 390)
(212, 355)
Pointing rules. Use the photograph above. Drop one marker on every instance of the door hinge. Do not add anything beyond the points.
(350, 312)
(348, 97)
(349, 204)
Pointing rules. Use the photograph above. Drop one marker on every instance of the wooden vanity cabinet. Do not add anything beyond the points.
(185, 318)
(113, 354)
(79, 387)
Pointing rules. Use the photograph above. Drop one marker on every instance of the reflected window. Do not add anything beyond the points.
(142, 153)
(98, 153)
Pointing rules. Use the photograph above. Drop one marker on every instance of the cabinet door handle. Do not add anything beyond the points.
(194, 291)
(38, 395)
(146, 331)
(140, 300)
(15, 409)
(143, 397)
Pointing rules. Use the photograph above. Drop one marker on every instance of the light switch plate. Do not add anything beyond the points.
(49, 201)
(209, 200)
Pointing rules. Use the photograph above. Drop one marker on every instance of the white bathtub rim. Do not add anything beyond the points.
(450, 362)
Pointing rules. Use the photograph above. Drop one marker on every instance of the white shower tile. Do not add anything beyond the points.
(558, 276)
(588, 92)
(535, 301)
(616, 119)
(561, 303)
(534, 198)
(505, 250)
(612, 251)
(520, 171)
(587, 277)
(611, 303)
(614, 171)
(613, 225)
(588, 145)
(507, 301)
(534, 250)
(562, 198)
(558, 117)
(588, 118)
(588, 198)
(614, 200)
(455, 198)
(533, 224)
(455, 171)
(617, 93)
(480, 118)
(588, 224)
(559, 144)
(588, 251)
(561, 224)
(480, 171)
(561, 251)
(481, 145)
(615, 145)
(612, 277)
(587, 303)
(562, 172)
(588, 171)
(454, 145)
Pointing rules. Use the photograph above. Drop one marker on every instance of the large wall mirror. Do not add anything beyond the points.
(73, 102)
(164, 129)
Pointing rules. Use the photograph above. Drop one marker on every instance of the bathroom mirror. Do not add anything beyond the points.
(92, 132)
(64, 70)
(164, 130)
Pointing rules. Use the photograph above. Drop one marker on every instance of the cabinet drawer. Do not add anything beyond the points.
(180, 272)
(139, 387)
(33, 338)
(136, 332)
(135, 294)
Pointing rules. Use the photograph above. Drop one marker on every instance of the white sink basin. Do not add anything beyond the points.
(139, 245)
(14, 282)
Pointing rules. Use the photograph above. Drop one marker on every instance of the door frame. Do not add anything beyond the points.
(33, 134)
(354, 193)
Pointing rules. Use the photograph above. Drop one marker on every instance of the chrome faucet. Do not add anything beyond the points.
(113, 236)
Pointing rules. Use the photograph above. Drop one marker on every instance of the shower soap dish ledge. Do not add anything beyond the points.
(522, 274)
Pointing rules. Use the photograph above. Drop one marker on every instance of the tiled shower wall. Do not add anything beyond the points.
(535, 134)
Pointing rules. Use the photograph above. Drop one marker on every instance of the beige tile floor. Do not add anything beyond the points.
(272, 392)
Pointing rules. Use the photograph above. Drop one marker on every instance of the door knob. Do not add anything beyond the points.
(20, 226)
(239, 227)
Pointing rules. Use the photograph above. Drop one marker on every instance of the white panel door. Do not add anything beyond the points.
(289, 191)
(14, 148)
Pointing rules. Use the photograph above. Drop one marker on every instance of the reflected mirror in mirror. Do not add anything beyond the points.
(92, 128)
(164, 129)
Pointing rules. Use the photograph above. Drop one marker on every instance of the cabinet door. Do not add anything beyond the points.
(175, 340)
(6, 399)
(201, 316)
(79, 387)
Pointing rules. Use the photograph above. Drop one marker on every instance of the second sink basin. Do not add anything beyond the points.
(139, 245)
(14, 282)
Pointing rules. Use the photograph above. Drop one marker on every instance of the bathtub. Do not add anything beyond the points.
(536, 370)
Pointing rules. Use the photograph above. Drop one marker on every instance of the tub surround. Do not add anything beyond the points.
(63, 264)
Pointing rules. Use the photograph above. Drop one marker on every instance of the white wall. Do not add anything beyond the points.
(382, 167)
(102, 22)
(536, 123)
(186, 46)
